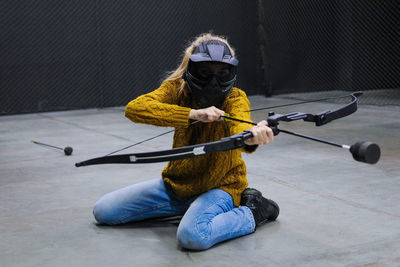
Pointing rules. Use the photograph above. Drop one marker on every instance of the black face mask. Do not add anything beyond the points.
(211, 90)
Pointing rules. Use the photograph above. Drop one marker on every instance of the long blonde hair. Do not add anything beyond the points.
(177, 74)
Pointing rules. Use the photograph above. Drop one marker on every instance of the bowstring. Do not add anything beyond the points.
(298, 103)
(151, 138)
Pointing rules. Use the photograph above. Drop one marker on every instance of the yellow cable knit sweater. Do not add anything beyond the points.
(169, 106)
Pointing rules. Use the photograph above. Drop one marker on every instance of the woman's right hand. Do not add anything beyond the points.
(262, 134)
(209, 114)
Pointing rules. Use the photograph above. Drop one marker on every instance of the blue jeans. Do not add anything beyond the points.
(208, 219)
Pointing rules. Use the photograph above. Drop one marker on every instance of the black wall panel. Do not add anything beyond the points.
(332, 45)
(57, 55)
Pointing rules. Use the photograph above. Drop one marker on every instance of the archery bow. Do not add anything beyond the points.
(362, 151)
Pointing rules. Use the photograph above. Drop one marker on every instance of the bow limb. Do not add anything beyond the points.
(304, 102)
(330, 115)
(224, 144)
(320, 118)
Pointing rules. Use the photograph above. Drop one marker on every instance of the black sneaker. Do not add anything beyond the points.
(263, 209)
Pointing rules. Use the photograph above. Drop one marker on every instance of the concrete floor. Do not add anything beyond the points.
(334, 211)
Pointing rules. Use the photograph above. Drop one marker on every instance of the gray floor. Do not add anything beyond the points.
(334, 211)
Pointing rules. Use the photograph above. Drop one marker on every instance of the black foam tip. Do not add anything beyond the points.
(366, 152)
(68, 150)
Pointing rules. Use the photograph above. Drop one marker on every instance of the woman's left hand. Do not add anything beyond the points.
(262, 134)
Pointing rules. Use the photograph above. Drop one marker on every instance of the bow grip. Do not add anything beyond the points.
(275, 130)
(240, 137)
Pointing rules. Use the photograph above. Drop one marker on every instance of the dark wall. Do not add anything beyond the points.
(57, 55)
(332, 45)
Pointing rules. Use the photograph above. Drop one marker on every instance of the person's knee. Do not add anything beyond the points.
(103, 213)
(190, 238)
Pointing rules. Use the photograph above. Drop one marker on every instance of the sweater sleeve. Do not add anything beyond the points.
(238, 106)
(159, 107)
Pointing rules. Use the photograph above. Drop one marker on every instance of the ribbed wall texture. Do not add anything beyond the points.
(57, 55)
(332, 45)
